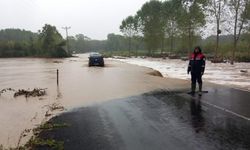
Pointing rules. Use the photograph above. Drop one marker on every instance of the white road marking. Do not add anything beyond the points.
(228, 111)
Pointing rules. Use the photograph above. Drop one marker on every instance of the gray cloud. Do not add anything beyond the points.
(94, 18)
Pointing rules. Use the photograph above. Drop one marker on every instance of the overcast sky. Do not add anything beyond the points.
(94, 18)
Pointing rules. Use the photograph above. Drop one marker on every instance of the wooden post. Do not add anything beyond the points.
(57, 77)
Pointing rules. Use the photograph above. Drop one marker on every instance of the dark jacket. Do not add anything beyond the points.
(197, 63)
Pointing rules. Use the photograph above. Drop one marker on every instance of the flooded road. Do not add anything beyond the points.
(114, 107)
(79, 86)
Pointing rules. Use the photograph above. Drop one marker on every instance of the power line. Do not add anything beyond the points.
(67, 39)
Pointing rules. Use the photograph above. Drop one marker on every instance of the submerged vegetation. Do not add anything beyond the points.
(36, 92)
(33, 93)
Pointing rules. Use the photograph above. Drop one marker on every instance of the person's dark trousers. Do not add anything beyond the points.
(196, 77)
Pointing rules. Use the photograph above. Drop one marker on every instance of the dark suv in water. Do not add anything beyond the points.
(96, 59)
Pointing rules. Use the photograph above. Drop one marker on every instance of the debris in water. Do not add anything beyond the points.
(57, 62)
(34, 93)
(55, 106)
(5, 90)
(23, 134)
(47, 114)
(184, 58)
(155, 73)
(243, 71)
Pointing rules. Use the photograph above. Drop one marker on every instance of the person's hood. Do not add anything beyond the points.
(198, 47)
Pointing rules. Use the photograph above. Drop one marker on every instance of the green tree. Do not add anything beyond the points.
(191, 17)
(151, 24)
(129, 29)
(16, 35)
(52, 42)
(217, 9)
(240, 11)
(170, 16)
(115, 42)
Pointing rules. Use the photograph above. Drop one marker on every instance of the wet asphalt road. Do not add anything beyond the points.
(159, 120)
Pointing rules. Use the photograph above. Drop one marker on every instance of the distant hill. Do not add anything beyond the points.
(16, 35)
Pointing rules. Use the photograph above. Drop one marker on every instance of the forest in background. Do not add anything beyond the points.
(179, 25)
(21, 43)
(159, 28)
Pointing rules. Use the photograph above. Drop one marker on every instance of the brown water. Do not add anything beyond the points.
(79, 86)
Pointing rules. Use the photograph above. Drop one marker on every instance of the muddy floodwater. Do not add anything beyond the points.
(79, 85)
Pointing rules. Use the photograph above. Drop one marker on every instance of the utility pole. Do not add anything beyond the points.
(67, 39)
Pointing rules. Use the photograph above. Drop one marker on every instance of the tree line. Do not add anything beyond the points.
(21, 43)
(158, 27)
(182, 23)
(114, 42)
(48, 42)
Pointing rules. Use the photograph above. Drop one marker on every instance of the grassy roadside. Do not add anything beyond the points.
(139, 53)
(37, 142)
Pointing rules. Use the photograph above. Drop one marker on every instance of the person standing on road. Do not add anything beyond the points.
(196, 67)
